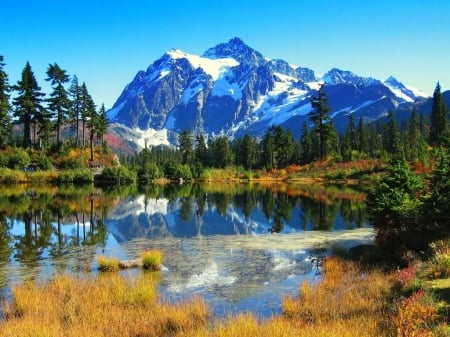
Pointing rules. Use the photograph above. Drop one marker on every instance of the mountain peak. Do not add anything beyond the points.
(338, 76)
(237, 49)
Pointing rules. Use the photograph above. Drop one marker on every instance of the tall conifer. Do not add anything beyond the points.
(5, 126)
(28, 107)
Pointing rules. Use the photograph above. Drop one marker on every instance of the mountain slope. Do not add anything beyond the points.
(232, 89)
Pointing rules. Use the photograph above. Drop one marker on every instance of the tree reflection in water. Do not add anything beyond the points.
(54, 230)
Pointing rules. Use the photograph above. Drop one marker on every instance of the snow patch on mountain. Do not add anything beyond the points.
(140, 137)
(213, 67)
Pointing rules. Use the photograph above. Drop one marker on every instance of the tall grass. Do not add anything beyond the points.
(347, 302)
(107, 305)
(151, 260)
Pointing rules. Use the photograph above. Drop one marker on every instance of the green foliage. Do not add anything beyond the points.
(149, 172)
(117, 174)
(8, 176)
(177, 171)
(16, 158)
(395, 205)
(45, 163)
(5, 120)
(437, 205)
(77, 176)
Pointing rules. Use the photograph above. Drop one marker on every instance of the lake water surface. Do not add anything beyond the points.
(242, 247)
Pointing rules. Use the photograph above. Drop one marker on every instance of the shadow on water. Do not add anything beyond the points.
(241, 246)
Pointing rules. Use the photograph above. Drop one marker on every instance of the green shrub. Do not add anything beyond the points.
(117, 174)
(80, 176)
(18, 158)
(177, 171)
(45, 163)
(149, 172)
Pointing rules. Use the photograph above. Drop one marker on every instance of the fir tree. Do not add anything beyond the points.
(28, 107)
(201, 151)
(87, 110)
(306, 154)
(75, 93)
(391, 138)
(59, 102)
(185, 147)
(439, 119)
(416, 146)
(5, 123)
(322, 121)
(102, 123)
(362, 137)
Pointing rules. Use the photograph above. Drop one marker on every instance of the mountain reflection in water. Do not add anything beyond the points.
(241, 247)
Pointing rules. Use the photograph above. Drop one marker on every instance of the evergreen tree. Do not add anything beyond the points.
(350, 139)
(268, 150)
(306, 154)
(439, 119)
(28, 107)
(416, 146)
(362, 137)
(221, 153)
(59, 102)
(249, 151)
(322, 121)
(87, 109)
(391, 138)
(5, 123)
(185, 147)
(284, 146)
(75, 93)
(102, 123)
(394, 205)
(90, 117)
(201, 151)
(437, 205)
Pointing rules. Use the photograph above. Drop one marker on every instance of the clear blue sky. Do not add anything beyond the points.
(106, 42)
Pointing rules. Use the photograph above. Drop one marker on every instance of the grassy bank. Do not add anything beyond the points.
(349, 301)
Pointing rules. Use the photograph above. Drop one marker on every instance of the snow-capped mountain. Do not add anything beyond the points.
(232, 89)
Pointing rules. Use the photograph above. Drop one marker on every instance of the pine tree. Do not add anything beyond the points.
(416, 146)
(185, 147)
(90, 117)
(75, 93)
(5, 122)
(306, 155)
(268, 149)
(28, 107)
(350, 139)
(362, 137)
(322, 121)
(59, 102)
(391, 138)
(102, 123)
(439, 119)
(87, 110)
(201, 151)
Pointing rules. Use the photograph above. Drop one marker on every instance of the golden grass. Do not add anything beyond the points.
(108, 263)
(348, 302)
(151, 260)
(108, 305)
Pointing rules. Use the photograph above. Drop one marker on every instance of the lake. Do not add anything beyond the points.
(240, 246)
